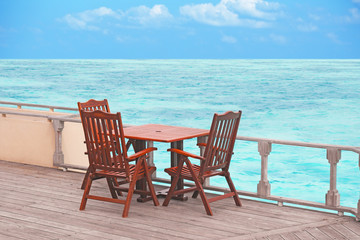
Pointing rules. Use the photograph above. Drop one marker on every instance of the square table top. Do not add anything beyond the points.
(163, 133)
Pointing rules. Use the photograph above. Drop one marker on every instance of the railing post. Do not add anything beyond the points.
(358, 211)
(203, 139)
(58, 158)
(263, 187)
(358, 205)
(151, 158)
(333, 197)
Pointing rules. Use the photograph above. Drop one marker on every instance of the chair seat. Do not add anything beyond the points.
(141, 172)
(186, 174)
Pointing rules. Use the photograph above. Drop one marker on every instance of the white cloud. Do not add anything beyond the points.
(103, 18)
(158, 15)
(251, 13)
(354, 15)
(333, 37)
(228, 39)
(278, 38)
(307, 27)
(207, 13)
(74, 22)
(94, 15)
(314, 17)
(356, 1)
(253, 8)
(89, 19)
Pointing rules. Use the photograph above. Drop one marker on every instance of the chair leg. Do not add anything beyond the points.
(117, 185)
(110, 182)
(151, 186)
(232, 188)
(195, 194)
(131, 190)
(83, 185)
(174, 183)
(200, 188)
(128, 199)
(86, 192)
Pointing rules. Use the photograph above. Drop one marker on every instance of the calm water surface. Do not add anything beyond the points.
(300, 100)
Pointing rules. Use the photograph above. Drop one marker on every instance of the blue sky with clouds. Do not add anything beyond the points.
(179, 29)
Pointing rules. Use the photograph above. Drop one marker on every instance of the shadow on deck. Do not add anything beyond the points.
(43, 203)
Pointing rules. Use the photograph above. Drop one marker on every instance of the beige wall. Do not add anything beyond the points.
(31, 140)
(73, 145)
(27, 140)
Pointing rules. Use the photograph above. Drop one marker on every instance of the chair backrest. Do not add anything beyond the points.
(221, 140)
(105, 141)
(93, 105)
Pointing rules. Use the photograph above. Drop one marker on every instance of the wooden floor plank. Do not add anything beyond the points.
(5, 236)
(328, 230)
(275, 237)
(353, 226)
(347, 233)
(23, 231)
(290, 236)
(304, 235)
(317, 234)
(43, 203)
(65, 234)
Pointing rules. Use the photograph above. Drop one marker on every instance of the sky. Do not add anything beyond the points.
(186, 29)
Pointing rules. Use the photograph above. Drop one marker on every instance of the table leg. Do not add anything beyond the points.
(141, 184)
(174, 162)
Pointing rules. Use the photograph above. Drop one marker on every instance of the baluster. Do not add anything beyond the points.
(358, 205)
(151, 158)
(202, 151)
(58, 158)
(333, 197)
(358, 211)
(263, 187)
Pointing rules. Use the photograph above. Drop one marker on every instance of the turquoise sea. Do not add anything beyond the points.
(300, 100)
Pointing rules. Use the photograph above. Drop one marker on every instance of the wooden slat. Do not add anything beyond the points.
(290, 236)
(304, 235)
(353, 226)
(328, 230)
(44, 203)
(317, 234)
(346, 232)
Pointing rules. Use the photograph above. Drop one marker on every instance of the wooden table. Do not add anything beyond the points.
(164, 133)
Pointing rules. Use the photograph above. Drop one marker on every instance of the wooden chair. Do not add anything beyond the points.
(108, 158)
(215, 162)
(93, 105)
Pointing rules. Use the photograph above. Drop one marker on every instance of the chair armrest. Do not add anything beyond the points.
(140, 153)
(201, 144)
(187, 154)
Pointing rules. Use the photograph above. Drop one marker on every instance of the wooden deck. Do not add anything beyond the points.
(43, 203)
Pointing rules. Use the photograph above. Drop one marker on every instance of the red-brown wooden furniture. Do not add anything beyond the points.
(174, 135)
(107, 153)
(92, 105)
(215, 162)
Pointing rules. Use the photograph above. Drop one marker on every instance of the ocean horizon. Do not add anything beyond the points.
(310, 100)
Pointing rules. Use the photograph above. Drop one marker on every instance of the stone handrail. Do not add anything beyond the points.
(264, 148)
(51, 108)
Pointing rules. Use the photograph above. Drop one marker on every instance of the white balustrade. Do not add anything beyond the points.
(263, 187)
(333, 156)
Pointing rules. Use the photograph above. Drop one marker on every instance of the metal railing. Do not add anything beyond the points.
(333, 154)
